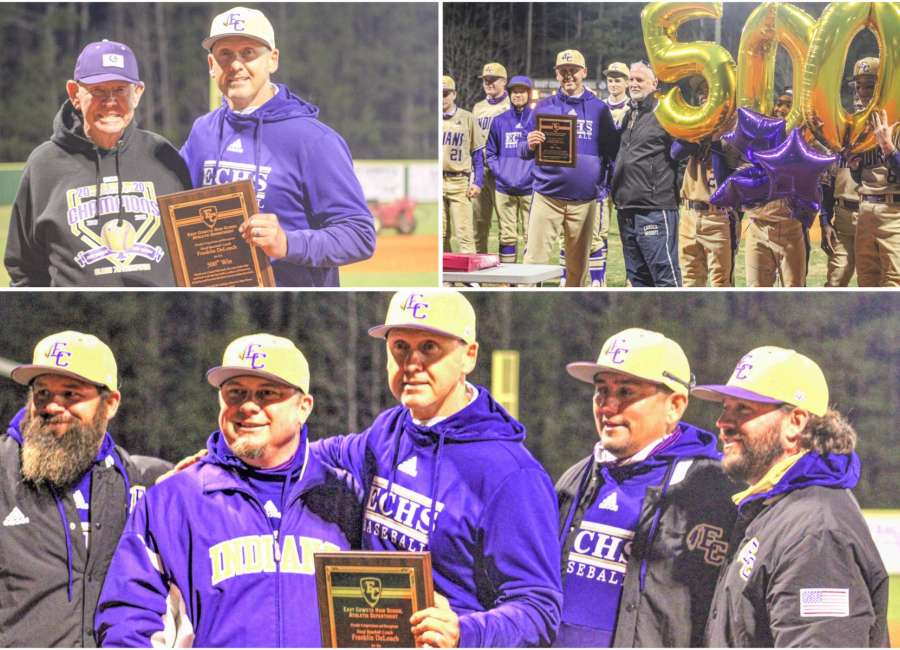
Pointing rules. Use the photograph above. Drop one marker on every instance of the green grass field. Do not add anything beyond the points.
(615, 264)
(422, 274)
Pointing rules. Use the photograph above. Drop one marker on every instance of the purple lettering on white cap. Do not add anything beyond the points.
(58, 354)
(253, 353)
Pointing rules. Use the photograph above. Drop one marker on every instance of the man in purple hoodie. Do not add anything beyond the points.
(446, 471)
(314, 217)
(226, 546)
(511, 173)
(566, 197)
(645, 519)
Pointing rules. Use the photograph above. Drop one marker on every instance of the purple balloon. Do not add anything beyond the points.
(804, 211)
(746, 188)
(794, 169)
(754, 132)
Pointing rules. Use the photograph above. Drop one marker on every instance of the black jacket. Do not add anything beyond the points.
(793, 546)
(35, 609)
(644, 175)
(682, 551)
(61, 234)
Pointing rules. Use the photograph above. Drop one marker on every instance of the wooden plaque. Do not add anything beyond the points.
(558, 150)
(366, 598)
(205, 247)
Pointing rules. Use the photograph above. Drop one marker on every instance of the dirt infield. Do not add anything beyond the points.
(407, 260)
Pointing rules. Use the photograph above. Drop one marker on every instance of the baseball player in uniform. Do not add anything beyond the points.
(496, 101)
(837, 219)
(777, 244)
(878, 174)
(707, 235)
(566, 197)
(616, 75)
(463, 169)
(313, 216)
(511, 173)
(228, 543)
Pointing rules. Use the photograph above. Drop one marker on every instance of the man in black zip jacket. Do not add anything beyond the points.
(65, 491)
(645, 519)
(643, 189)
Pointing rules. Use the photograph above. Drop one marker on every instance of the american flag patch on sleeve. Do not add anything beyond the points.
(824, 602)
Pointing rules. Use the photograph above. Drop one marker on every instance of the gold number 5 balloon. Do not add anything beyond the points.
(672, 60)
(820, 94)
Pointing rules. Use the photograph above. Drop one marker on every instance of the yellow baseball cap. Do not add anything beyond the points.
(570, 57)
(73, 354)
(773, 375)
(493, 70)
(616, 68)
(241, 21)
(866, 66)
(447, 83)
(642, 354)
(262, 355)
(442, 311)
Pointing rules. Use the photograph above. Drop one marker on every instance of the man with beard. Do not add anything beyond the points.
(644, 519)
(804, 571)
(239, 528)
(61, 474)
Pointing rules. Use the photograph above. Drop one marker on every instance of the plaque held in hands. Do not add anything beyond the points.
(558, 149)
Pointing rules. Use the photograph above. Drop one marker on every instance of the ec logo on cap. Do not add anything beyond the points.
(252, 353)
(743, 369)
(618, 351)
(413, 304)
(58, 353)
(236, 21)
(113, 61)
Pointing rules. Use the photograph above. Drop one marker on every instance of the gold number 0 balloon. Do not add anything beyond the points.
(672, 61)
(770, 25)
(820, 94)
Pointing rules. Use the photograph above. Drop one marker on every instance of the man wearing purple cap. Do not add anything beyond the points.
(85, 213)
(511, 173)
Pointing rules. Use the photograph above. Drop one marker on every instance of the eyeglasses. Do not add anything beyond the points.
(238, 395)
(119, 92)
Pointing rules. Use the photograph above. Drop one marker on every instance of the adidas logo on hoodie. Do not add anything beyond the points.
(236, 147)
(408, 466)
(609, 503)
(16, 518)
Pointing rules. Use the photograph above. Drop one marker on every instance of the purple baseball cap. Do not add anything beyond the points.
(520, 80)
(107, 61)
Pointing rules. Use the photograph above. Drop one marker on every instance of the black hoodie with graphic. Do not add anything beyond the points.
(86, 216)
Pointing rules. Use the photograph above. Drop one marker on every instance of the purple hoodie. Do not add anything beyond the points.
(512, 173)
(597, 139)
(469, 491)
(203, 537)
(303, 173)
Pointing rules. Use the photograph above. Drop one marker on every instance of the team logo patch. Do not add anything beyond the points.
(210, 215)
(59, 354)
(742, 371)
(415, 305)
(236, 21)
(371, 590)
(708, 538)
(113, 61)
(824, 602)
(617, 351)
(747, 558)
(254, 356)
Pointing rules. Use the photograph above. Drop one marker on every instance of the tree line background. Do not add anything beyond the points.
(525, 37)
(370, 67)
(165, 342)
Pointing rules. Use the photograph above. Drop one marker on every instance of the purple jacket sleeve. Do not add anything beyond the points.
(827, 209)
(478, 167)
(346, 455)
(521, 562)
(524, 152)
(132, 607)
(345, 229)
(492, 150)
(681, 149)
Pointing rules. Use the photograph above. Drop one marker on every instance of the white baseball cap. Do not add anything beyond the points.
(73, 354)
(262, 355)
(441, 311)
(241, 21)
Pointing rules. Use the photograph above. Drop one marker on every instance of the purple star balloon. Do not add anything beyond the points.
(794, 169)
(746, 188)
(754, 132)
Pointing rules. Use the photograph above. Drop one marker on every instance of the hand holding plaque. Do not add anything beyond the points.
(207, 249)
(366, 598)
(558, 147)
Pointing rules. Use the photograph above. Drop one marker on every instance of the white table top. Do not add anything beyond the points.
(507, 274)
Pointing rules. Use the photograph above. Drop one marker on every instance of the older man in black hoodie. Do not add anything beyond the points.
(643, 188)
(85, 213)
